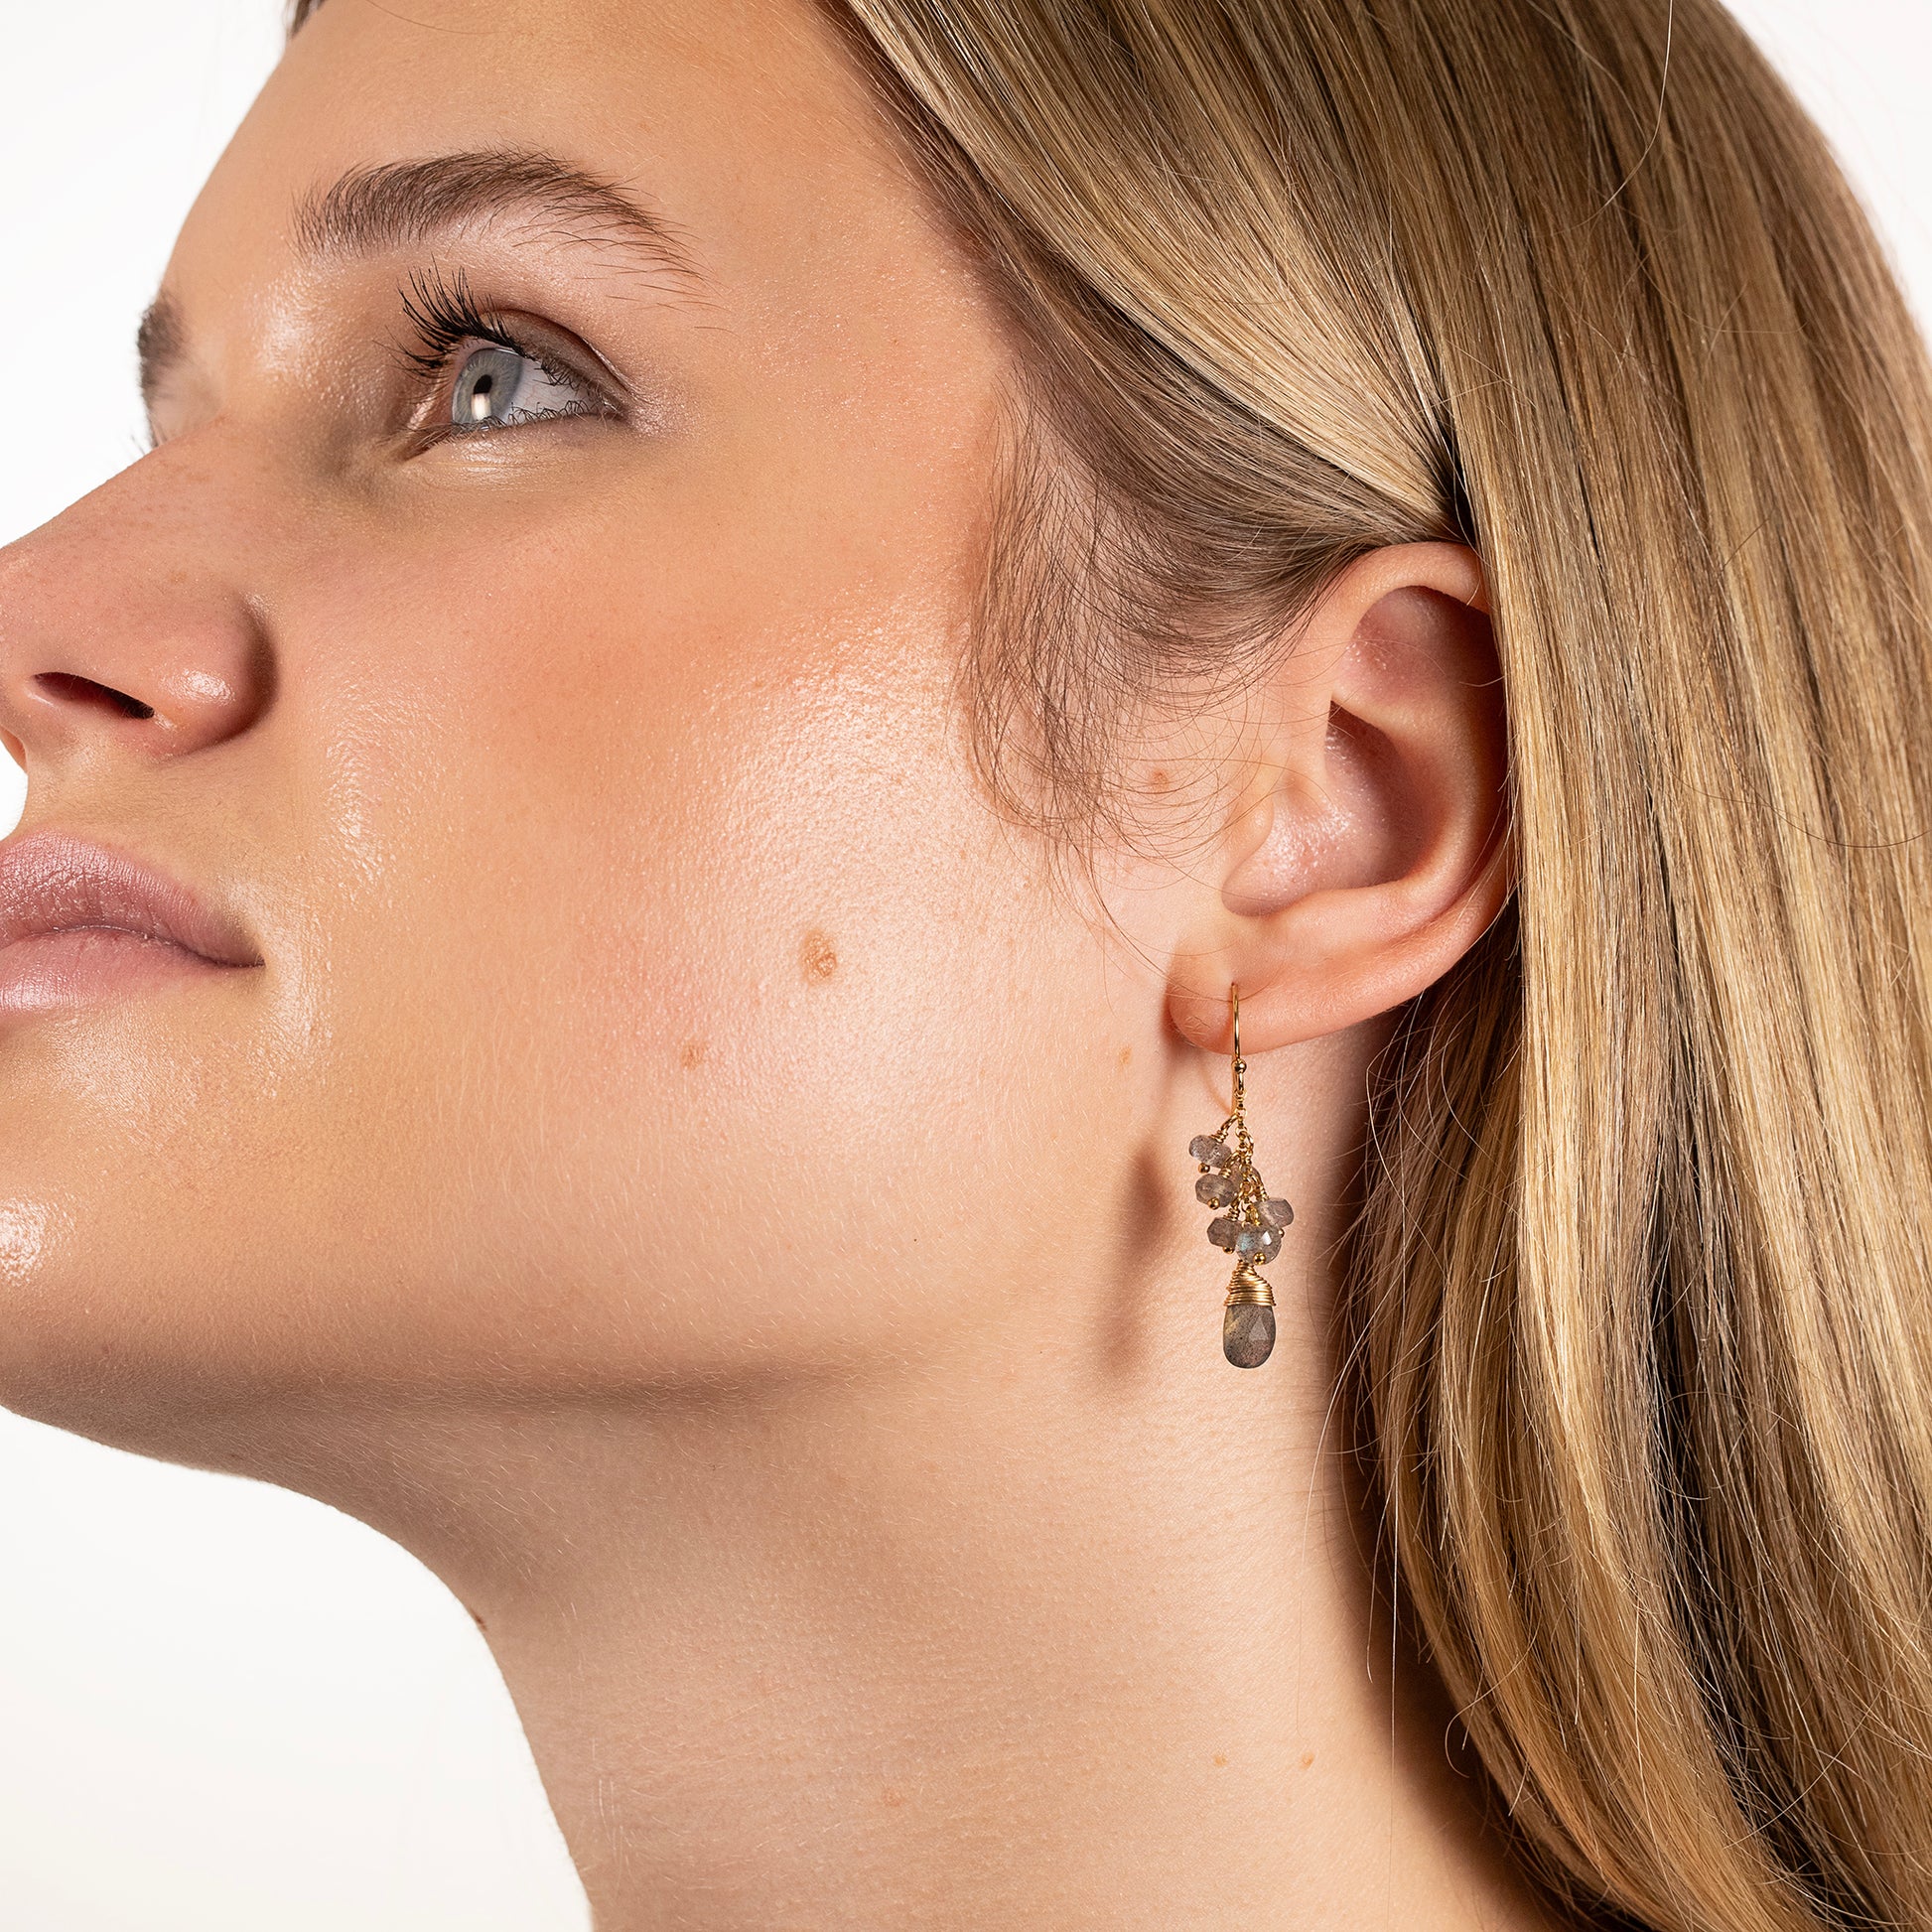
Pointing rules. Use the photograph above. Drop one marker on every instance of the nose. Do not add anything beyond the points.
(122, 629)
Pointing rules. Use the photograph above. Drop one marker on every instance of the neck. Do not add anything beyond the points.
(1041, 1637)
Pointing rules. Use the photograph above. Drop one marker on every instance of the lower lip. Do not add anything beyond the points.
(55, 972)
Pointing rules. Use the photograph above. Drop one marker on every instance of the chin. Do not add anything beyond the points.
(81, 1350)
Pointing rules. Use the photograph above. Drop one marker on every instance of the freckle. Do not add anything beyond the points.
(1159, 782)
(1125, 1054)
(691, 1053)
(1308, 1759)
(1220, 1757)
(891, 1798)
(816, 956)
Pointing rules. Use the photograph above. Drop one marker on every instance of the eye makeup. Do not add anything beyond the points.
(485, 371)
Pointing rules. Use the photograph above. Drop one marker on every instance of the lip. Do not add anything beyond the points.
(80, 923)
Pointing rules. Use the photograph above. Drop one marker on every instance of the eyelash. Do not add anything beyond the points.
(445, 315)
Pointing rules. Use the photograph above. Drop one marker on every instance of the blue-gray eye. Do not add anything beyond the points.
(498, 385)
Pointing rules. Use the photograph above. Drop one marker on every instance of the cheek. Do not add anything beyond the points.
(712, 976)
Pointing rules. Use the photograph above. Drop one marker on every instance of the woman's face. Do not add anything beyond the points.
(530, 640)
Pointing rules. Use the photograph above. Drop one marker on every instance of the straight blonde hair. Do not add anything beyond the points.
(1639, 1307)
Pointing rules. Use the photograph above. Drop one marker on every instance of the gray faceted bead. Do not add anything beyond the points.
(1216, 1190)
(1248, 1334)
(1222, 1232)
(1209, 1151)
(1277, 1213)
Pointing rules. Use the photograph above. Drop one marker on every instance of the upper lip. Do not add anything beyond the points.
(49, 883)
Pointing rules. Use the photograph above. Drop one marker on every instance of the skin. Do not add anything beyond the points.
(684, 1167)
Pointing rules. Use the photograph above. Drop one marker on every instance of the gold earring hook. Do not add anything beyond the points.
(1240, 1065)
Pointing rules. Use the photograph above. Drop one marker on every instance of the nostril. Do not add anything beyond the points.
(65, 688)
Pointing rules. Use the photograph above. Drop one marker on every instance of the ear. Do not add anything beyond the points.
(1368, 843)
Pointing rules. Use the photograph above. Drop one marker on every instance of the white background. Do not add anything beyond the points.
(224, 1709)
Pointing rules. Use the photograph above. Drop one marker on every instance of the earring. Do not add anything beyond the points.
(1249, 1223)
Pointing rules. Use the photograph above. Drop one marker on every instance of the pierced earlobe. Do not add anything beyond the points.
(1249, 1223)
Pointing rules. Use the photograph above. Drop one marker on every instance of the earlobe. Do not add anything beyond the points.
(1379, 852)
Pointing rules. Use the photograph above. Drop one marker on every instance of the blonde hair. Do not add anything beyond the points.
(1639, 1310)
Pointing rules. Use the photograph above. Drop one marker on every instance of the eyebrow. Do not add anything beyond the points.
(400, 204)
(157, 345)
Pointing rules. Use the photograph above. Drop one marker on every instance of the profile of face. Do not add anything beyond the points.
(557, 944)
(528, 640)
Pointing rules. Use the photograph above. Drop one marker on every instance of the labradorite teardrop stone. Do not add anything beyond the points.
(1248, 1334)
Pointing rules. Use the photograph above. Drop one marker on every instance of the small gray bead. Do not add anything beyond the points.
(1216, 1190)
(1221, 1231)
(1209, 1151)
(1252, 1243)
(1277, 1213)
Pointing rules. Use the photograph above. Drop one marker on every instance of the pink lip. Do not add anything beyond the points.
(79, 923)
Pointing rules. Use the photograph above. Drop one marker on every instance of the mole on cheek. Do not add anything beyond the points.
(816, 957)
(691, 1054)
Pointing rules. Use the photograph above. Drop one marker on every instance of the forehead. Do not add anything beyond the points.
(740, 124)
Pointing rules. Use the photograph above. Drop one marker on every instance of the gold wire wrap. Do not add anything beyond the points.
(1248, 1287)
